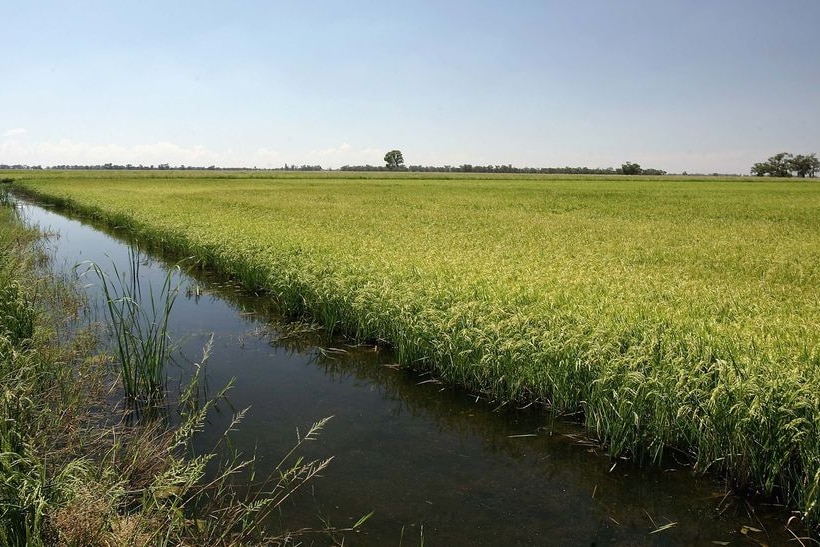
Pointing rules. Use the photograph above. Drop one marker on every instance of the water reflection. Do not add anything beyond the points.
(428, 459)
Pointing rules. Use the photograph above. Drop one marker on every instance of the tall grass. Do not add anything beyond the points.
(670, 314)
(29, 386)
(139, 324)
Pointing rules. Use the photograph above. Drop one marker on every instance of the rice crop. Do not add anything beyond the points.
(669, 313)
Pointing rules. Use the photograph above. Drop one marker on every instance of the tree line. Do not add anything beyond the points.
(785, 164)
(160, 167)
(469, 168)
(394, 161)
(626, 169)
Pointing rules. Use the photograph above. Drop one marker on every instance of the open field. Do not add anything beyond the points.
(672, 312)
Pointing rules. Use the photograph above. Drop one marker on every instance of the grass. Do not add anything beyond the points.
(140, 327)
(670, 313)
(75, 470)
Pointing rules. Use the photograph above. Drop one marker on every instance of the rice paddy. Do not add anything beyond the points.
(670, 313)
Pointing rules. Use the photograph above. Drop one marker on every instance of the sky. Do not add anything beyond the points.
(700, 86)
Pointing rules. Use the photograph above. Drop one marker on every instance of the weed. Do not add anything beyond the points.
(139, 326)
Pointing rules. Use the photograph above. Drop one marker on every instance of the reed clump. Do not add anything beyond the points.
(139, 326)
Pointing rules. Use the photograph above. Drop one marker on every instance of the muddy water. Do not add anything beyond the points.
(434, 464)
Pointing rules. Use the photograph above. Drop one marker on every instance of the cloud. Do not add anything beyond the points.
(73, 152)
(13, 132)
(344, 147)
(344, 154)
(718, 161)
(265, 157)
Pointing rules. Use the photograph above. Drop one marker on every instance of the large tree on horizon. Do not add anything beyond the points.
(394, 159)
(805, 165)
(783, 164)
(779, 165)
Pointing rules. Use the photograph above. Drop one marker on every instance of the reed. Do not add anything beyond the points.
(139, 325)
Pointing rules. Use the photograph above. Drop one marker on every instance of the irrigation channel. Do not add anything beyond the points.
(436, 465)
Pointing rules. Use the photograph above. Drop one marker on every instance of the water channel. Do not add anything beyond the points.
(436, 465)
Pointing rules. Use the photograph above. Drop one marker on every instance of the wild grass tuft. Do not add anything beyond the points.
(139, 324)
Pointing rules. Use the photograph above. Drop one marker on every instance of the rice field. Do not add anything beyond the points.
(672, 314)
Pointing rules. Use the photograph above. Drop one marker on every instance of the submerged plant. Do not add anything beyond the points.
(139, 324)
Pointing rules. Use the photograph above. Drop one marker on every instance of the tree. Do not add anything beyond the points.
(805, 166)
(760, 169)
(394, 159)
(630, 168)
(779, 165)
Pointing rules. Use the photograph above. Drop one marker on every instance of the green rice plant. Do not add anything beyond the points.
(139, 326)
(669, 314)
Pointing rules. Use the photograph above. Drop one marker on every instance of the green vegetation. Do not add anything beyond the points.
(140, 327)
(669, 312)
(394, 159)
(75, 470)
(783, 164)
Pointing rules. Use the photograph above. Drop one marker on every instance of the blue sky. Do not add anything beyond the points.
(680, 85)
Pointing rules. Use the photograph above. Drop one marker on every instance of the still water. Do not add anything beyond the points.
(436, 465)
